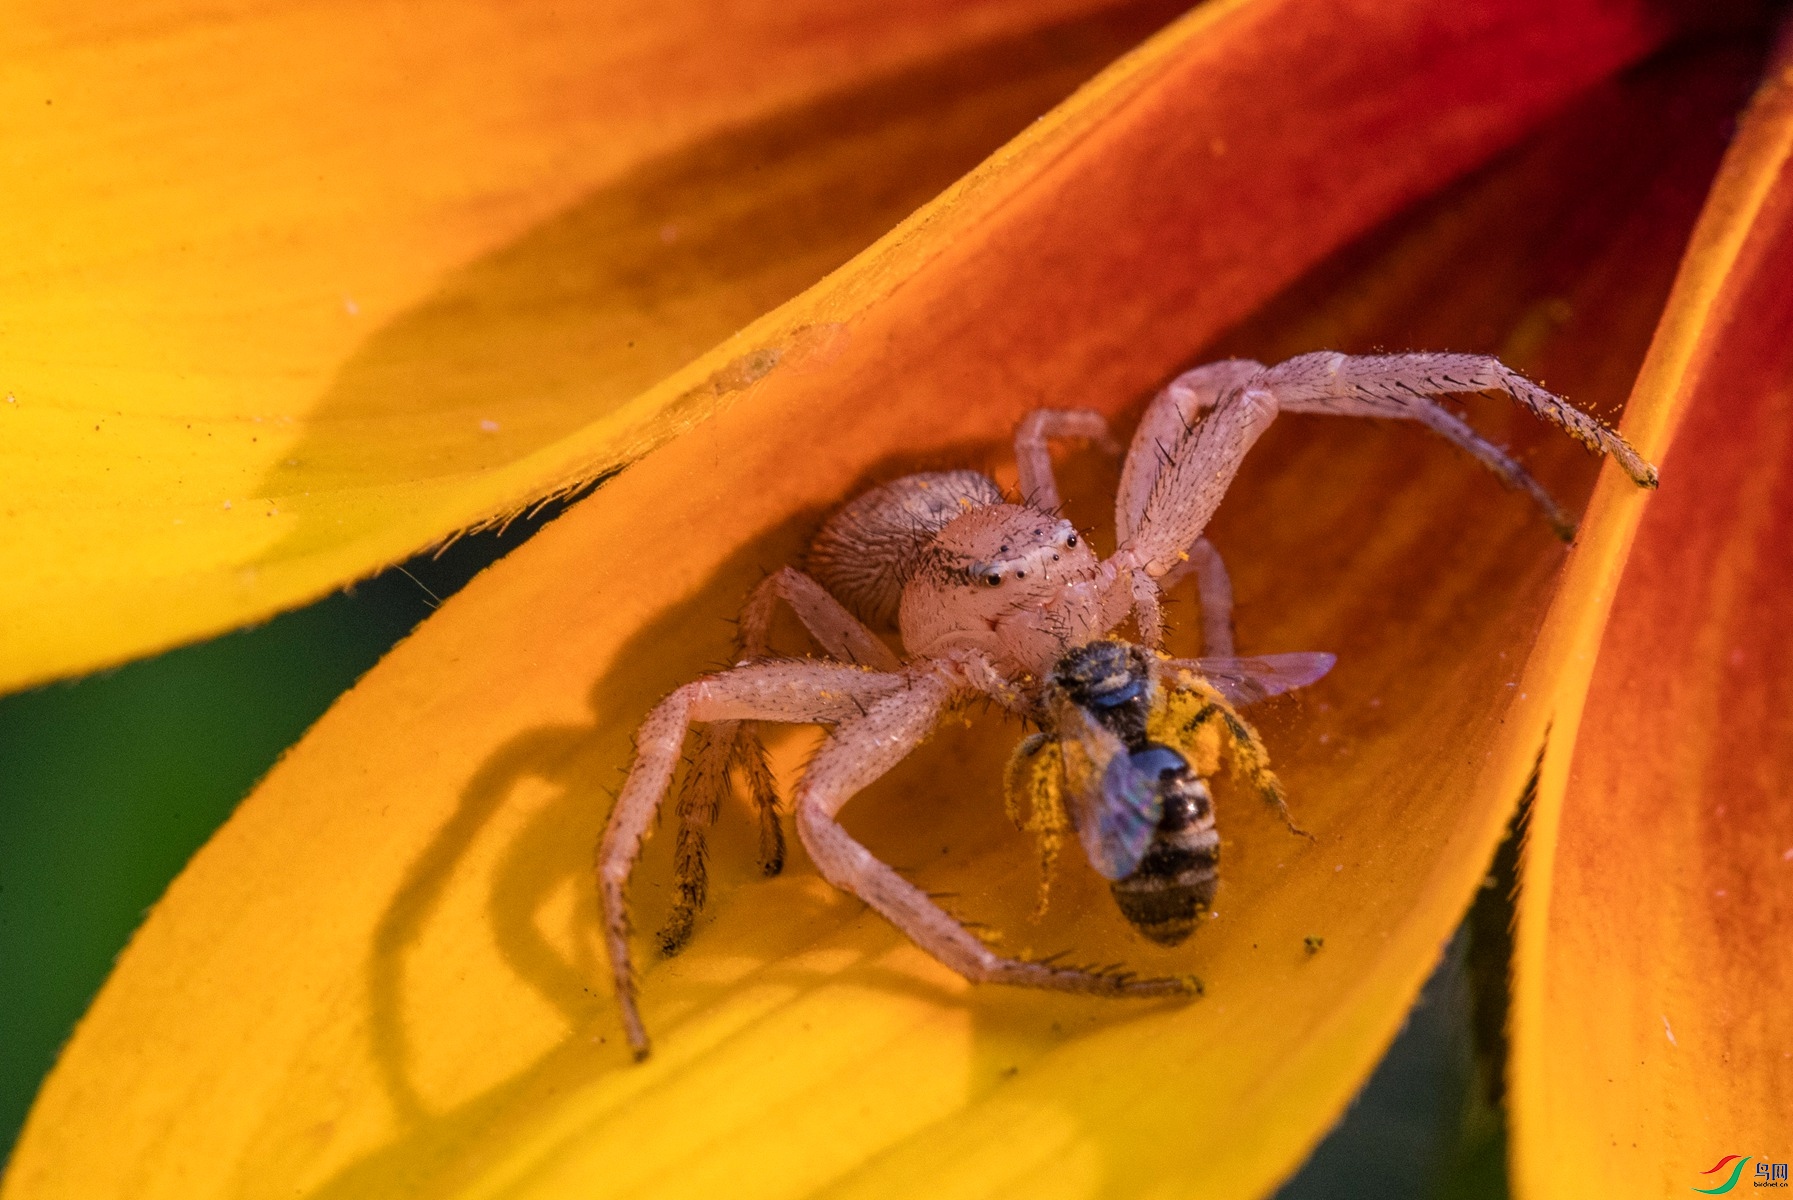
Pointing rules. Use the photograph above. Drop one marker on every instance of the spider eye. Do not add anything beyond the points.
(993, 579)
(1071, 541)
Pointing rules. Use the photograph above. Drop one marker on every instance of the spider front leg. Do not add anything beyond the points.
(1213, 585)
(792, 690)
(1399, 385)
(860, 751)
(1168, 419)
(1187, 482)
(1402, 386)
(1166, 505)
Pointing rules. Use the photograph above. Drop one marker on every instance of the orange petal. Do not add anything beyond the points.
(294, 290)
(1652, 1029)
(380, 978)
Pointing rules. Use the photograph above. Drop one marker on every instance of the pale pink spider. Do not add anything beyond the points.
(988, 596)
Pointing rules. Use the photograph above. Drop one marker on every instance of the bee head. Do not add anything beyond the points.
(1110, 680)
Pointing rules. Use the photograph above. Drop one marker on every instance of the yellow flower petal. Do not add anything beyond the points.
(381, 977)
(1652, 1026)
(293, 290)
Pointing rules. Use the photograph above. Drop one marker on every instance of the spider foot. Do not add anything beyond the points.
(700, 797)
(771, 846)
(1112, 979)
(676, 933)
(1126, 983)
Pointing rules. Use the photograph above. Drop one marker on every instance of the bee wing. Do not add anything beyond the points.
(1247, 680)
(1114, 805)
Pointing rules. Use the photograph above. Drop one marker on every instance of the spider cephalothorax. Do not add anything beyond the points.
(1006, 601)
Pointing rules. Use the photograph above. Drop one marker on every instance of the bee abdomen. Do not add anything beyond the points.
(1173, 884)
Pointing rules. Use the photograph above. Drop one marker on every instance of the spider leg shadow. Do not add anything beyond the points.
(530, 816)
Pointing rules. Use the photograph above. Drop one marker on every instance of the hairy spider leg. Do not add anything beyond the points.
(1401, 384)
(1193, 478)
(800, 691)
(1196, 471)
(841, 635)
(1166, 422)
(700, 798)
(1033, 456)
(1039, 488)
(1215, 587)
(716, 749)
(733, 744)
(864, 748)
(1402, 387)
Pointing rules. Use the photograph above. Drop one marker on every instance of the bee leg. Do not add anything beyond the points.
(1039, 780)
(1252, 762)
(861, 750)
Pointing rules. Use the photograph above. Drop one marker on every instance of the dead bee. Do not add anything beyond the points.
(989, 599)
(1131, 740)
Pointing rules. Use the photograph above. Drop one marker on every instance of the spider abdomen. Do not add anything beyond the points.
(867, 551)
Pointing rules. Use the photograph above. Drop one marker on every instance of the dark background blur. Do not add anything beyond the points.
(108, 785)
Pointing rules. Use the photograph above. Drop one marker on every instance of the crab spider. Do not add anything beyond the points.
(989, 598)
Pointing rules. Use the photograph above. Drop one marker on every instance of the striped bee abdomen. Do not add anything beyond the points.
(1175, 881)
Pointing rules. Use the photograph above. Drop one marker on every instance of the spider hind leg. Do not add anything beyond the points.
(750, 760)
(700, 798)
(719, 747)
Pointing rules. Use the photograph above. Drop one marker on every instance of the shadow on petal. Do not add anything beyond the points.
(559, 329)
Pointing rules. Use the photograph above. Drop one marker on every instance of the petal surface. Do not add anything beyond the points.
(1653, 1034)
(291, 291)
(381, 979)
